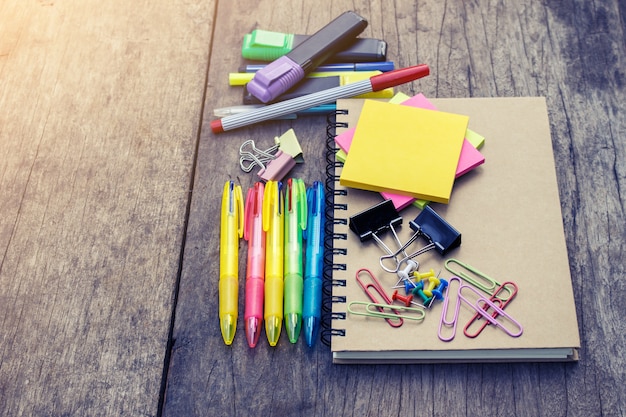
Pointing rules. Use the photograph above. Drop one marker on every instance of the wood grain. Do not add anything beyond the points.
(110, 184)
(571, 52)
(100, 114)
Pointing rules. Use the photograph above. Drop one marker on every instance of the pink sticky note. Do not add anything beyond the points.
(469, 159)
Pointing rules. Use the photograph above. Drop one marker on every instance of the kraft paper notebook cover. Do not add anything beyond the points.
(509, 215)
(418, 159)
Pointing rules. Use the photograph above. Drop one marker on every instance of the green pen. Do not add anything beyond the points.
(295, 223)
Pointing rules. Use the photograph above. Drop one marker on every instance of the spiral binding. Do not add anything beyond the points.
(331, 250)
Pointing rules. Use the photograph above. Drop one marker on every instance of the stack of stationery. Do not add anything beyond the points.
(508, 213)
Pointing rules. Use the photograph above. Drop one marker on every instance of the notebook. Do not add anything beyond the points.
(509, 215)
(416, 159)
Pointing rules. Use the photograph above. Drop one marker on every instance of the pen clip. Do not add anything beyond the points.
(314, 203)
(296, 200)
(253, 207)
(271, 202)
(235, 205)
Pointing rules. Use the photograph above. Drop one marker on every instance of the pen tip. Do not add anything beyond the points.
(272, 329)
(228, 324)
(311, 327)
(252, 331)
(292, 326)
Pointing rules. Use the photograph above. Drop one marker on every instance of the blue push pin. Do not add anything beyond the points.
(438, 292)
(408, 286)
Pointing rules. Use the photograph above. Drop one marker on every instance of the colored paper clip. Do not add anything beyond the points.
(378, 310)
(395, 320)
(376, 220)
(445, 322)
(497, 301)
(288, 143)
(479, 279)
(439, 234)
(483, 308)
(278, 167)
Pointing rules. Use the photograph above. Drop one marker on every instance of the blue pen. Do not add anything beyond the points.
(382, 66)
(314, 263)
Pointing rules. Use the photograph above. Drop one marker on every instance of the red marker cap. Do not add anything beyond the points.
(216, 126)
(399, 76)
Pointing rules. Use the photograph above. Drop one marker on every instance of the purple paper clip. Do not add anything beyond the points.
(495, 298)
(483, 309)
(444, 322)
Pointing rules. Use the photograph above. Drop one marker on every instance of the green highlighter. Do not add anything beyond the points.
(263, 45)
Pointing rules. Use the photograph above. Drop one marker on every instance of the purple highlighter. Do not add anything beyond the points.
(282, 74)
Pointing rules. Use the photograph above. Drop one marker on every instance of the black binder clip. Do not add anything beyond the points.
(439, 234)
(376, 220)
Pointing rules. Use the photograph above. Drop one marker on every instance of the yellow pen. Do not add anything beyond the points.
(230, 233)
(273, 224)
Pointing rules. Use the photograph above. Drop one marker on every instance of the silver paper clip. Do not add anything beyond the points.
(248, 159)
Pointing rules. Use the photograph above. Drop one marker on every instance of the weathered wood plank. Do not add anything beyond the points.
(571, 52)
(100, 114)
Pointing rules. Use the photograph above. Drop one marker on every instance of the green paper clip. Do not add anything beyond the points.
(479, 279)
(374, 310)
(288, 143)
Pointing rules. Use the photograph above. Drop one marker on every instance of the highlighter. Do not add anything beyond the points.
(265, 45)
(285, 72)
(316, 84)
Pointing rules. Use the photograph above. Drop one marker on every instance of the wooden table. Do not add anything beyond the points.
(110, 188)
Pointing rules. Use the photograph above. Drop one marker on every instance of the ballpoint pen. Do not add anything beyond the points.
(314, 235)
(255, 272)
(230, 232)
(273, 225)
(295, 223)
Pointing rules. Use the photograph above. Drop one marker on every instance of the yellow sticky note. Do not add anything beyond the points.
(405, 150)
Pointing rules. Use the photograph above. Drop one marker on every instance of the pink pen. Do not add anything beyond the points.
(255, 273)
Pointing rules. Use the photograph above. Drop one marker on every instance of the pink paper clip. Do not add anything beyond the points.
(495, 298)
(375, 285)
(278, 167)
(444, 322)
(480, 307)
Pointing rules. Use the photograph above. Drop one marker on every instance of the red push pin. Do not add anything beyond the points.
(406, 299)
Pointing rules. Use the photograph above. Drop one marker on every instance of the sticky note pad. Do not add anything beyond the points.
(405, 150)
(469, 159)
